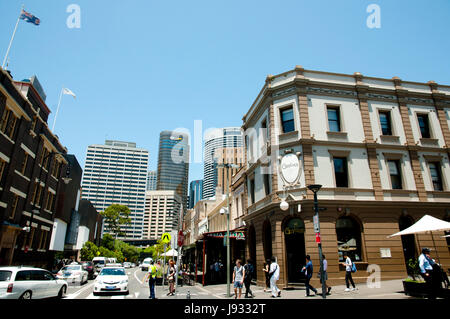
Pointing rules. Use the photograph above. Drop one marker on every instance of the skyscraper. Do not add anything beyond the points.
(151, 181)
(162, 212)
(195, 192)
(221, 138)
(116, 173)
(173, 163)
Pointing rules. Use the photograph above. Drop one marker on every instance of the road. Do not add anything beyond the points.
(140, 290)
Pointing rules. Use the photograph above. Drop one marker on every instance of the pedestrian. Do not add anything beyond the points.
(151, 278)
(349, 268)
(429, 272)
(266, 270)
(238, 278)
(325, 274)
(249, 269)
(171, 272)
(308, 269)
(274, 276)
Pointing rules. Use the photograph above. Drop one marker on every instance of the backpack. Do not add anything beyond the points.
(353, 267)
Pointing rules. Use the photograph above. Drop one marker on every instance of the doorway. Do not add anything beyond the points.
(294, 236)
(408, 241)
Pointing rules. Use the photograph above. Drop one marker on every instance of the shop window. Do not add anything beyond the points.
(287, 120)
(436, 175)
(385, 122)
(395, 174)
(424, 125)
(348, 233)
(340, 171)
(334, 119)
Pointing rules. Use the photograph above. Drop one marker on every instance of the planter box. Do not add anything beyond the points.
(415, 289)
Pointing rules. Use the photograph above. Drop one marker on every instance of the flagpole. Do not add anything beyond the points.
(57, 110)
(12, 38)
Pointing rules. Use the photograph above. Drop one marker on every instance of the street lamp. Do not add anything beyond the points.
(315, 188)
(227, 211)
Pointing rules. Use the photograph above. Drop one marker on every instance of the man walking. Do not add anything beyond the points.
(348, 272)
(238, 278)
(274, 275)
(325, 275)
(151, 278)
(308, 269)
(248, 267)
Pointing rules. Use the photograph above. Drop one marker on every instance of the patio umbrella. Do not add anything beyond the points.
(427, 224)
(170, 253)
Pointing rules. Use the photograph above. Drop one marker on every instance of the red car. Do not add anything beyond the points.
(89, 267)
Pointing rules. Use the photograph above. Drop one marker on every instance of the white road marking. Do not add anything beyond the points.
(209, 292)
(135, 276)
(91, 296)
(75, 294)
(118, 297)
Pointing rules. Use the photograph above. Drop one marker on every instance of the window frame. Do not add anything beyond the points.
(398, 165)
(284, 109)
(430, 131)
(339, 120)
(390, 121)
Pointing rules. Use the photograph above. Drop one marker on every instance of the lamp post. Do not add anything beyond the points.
(227, 211)
(315, 188)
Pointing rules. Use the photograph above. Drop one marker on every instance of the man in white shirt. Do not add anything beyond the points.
(274, 273)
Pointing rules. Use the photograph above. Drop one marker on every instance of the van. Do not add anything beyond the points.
(100, 262)
(146, 264)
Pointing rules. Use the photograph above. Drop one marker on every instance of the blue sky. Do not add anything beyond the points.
(139, 67)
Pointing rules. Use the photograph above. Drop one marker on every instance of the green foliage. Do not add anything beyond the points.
(413, 268)
(108, 241)
(89, 251)
(115, 216)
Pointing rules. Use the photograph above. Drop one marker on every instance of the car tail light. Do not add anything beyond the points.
(10, 288)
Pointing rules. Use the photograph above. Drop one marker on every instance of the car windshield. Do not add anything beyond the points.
(5, 275)
(146, 262)
(86, 264)
(99, 262)
(112, 272)
(66, 268)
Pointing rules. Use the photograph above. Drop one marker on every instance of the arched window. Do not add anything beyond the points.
(348, 233)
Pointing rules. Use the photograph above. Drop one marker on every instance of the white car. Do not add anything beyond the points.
(146, 264)
(29, 283)
(73, 273)
(111, 279)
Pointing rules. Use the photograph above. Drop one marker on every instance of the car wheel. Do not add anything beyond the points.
(62, 292)
(26, 295)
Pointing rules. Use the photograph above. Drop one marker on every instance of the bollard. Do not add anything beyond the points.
(188, 295)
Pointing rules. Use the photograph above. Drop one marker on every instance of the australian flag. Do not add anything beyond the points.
(28, 17)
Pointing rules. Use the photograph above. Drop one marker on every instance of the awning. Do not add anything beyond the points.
(234, 234)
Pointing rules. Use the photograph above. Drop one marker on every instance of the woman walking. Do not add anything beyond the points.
(266, 274)
(171, 278)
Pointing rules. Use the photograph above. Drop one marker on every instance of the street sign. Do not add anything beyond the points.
(165, 238)
(290, 168)
(316, 223)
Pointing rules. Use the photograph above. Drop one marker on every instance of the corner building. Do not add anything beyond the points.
(380, 150)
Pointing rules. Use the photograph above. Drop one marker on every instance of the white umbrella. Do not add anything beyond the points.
(170, 253)
(427, 224)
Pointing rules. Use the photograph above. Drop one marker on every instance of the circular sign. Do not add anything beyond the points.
(290, 168)
(165, 238)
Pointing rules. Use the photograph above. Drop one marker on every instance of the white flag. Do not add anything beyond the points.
(67, 91)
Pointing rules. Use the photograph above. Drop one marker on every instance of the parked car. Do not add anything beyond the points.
(30, 283)
(145, 264)
(126, 265)
(73, 273)
(111, 279)
(89, 267)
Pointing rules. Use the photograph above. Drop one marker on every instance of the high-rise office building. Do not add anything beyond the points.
(151, 180)
(173, 163)
(116, 173)
(162, 213)
(221, 138)
(195, 192)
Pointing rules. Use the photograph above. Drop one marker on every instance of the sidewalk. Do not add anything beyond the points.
(392, 289)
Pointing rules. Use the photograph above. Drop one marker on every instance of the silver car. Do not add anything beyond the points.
(73, 274)
(29, 283)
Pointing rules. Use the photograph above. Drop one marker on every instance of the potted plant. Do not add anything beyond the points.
(414, 286)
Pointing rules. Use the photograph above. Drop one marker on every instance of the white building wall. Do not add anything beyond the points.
(435, 129)
(396, 120)
(83, 237)
(58, 235)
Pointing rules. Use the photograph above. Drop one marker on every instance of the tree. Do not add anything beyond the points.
(89, 251)
(116, 216)
(108, 241)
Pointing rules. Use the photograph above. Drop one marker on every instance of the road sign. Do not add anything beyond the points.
(316, 223)
(165, 238)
